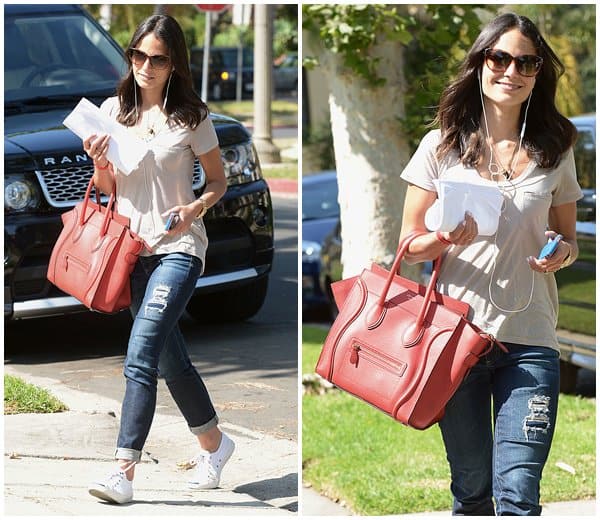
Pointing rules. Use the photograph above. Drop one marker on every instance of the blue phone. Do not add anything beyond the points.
(550, 247)
(171, 221)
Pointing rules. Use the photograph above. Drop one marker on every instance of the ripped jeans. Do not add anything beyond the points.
(502, 456)
(161, 286)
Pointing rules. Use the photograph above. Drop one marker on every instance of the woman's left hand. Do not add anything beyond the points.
(186, 216)
(552, 263)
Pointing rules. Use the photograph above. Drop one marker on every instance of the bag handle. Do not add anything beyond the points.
(413, 334)
(109, 206)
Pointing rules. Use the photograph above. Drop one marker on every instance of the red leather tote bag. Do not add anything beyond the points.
(398, 345)
(95, 254)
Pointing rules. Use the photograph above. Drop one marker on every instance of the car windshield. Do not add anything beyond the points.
(319, 200)
(49, 56)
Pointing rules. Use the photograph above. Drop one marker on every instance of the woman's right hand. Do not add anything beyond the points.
(465, 233)
(96, 147)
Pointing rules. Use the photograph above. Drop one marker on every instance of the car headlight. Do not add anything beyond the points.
(240, 163)
(311, 251)
(20, 194)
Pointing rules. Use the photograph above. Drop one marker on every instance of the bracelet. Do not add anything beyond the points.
(442, 238)
(98, 167)
(203, 210)
(566, 262)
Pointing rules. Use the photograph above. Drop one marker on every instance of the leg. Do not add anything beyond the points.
(467, 433)
(525, 406)
(171, 280)
(189, 392)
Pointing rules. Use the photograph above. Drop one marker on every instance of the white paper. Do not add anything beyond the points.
(482, 198)
(125, 151)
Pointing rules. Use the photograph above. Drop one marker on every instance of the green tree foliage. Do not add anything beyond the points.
(435, 38)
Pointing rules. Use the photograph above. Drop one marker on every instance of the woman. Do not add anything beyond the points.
(156, 102)
(498, 121)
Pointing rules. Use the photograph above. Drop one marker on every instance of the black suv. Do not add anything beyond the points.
(53, 56)
(223, 68)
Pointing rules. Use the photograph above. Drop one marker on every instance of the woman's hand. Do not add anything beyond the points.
(554, 262)
(465, 233)
(187, 215)
(96, 147)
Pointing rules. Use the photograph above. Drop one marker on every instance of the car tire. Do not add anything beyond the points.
(568, 377)
(230, 305)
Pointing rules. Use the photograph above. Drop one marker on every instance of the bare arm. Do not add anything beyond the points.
(216, 186)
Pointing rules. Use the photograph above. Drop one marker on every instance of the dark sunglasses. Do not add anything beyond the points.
(156, 62)
(498, 61)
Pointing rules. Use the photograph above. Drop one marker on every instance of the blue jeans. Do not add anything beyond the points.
(502, 456)
(161, 286)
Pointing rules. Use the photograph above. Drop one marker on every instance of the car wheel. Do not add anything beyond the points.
(231, 305)
(568, 377)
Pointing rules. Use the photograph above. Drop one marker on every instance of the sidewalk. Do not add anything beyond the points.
(314, 504)
(49, 459)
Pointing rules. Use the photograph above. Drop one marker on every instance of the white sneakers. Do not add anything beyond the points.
(114, 488)
(207, 473)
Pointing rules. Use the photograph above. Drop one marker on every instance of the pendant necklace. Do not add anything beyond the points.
(151, 130)
(496, 168)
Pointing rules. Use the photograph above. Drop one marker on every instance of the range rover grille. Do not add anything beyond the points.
(65, 186)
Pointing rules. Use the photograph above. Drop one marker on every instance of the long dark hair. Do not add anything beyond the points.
(183, 106)
(548, 133)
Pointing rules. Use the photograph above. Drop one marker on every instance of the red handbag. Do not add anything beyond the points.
(94, 255)
(400, 346)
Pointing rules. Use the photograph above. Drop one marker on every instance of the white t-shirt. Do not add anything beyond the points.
(498, 264)
(163, 179)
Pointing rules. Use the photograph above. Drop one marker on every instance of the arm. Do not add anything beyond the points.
(216, 186)
(429, 247)
(561, 220)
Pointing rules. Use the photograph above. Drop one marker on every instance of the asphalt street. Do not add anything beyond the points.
(250, 368)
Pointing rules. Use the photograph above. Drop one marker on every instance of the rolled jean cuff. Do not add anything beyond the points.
(128, 454)
(205, 427)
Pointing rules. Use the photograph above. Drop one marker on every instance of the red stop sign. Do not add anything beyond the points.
(211, 7)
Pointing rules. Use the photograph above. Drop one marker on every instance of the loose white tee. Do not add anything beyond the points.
(163, 179)
(492, 273)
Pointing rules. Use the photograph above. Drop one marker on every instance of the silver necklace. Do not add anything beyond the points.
(151, 131)
(495, 166)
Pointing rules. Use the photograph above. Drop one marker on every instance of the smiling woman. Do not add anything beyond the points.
(498, 121)
(156, 100)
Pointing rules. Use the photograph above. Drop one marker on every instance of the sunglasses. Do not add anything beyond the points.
(498, 61)
(157, 61)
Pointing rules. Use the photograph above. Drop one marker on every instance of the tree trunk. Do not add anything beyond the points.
(370, 153)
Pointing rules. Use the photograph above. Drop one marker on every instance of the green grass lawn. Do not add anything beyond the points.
(577, 295)
(283, 112)
(22, 397)
(354, 453)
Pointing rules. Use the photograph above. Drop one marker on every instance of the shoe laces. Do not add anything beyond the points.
(204, 464)
(115, 478)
